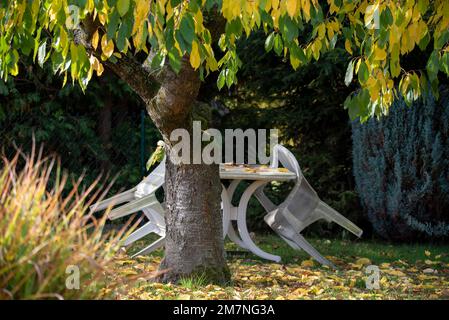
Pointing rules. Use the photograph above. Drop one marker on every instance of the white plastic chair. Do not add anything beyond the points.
(156, 223)
(301, 208)
(142, 197)
(146, 187)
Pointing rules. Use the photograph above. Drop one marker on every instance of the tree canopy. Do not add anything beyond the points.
(376, 33)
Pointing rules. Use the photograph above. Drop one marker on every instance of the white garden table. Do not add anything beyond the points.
(260, 176)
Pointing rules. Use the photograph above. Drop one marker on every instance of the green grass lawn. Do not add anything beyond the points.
(414, 271)
(377, 252)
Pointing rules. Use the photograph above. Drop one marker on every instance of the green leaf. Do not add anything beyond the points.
(41, 53)
(114, 20)
(278, 45)
(290, 29)
(234, 27)
(424, 42)
(441, 40)
(269, 42)
(386, 18)
(363, 73)
(187, 28)
(156, 156)
(229, 78)
(36, 43)
(124, 33)
(433, 66)
(395, 67)
(57, 61)
(175, 59)
(158, 60)
(444, 63)
(297, 56)
(221, 79)
(349, 73)
(123, 7)
(358, 105)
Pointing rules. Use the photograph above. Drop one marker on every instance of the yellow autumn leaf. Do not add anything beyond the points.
(363, 261)
(307, 263)
(393, 272)
(96, 65)
(380, 54)
(305, 4)
(292, 6)
(100, 69)
(102, 18)
(95, 39)
(195, 59)
(128, 272)
(107, 46)
(300, 291)
(348, 46)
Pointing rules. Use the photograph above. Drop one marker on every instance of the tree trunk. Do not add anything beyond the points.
(194, 239)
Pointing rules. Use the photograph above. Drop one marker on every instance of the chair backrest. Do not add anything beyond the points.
(282, 155)
(302, 200)
(152, 182)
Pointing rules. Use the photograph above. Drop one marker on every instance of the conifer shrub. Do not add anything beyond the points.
(401, 169)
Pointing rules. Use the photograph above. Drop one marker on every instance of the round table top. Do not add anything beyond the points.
(255, 172)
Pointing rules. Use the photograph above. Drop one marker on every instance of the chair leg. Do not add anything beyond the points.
(154, 215)
(332, 215)
(264, 200)
(291, 243)
(152, 247)
(279, 223)
(133, 206)
(307, 247)
(146, 229)
(115, 200)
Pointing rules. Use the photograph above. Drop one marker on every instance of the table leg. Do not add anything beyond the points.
(241, 223)
(232, 234)
(226, 208)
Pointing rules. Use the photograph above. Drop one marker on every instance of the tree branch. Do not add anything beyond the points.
(128, 68)
(169, 96)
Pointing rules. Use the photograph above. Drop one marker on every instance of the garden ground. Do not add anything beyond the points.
(406, 272)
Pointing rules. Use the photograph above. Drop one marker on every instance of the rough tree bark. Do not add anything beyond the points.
(194, 239)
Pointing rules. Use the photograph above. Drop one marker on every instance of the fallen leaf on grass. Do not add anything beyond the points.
(307, 263)
(363, 261)
(393, 272)
(429, 270)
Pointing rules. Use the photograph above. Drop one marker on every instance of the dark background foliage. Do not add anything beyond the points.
(93, 133)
